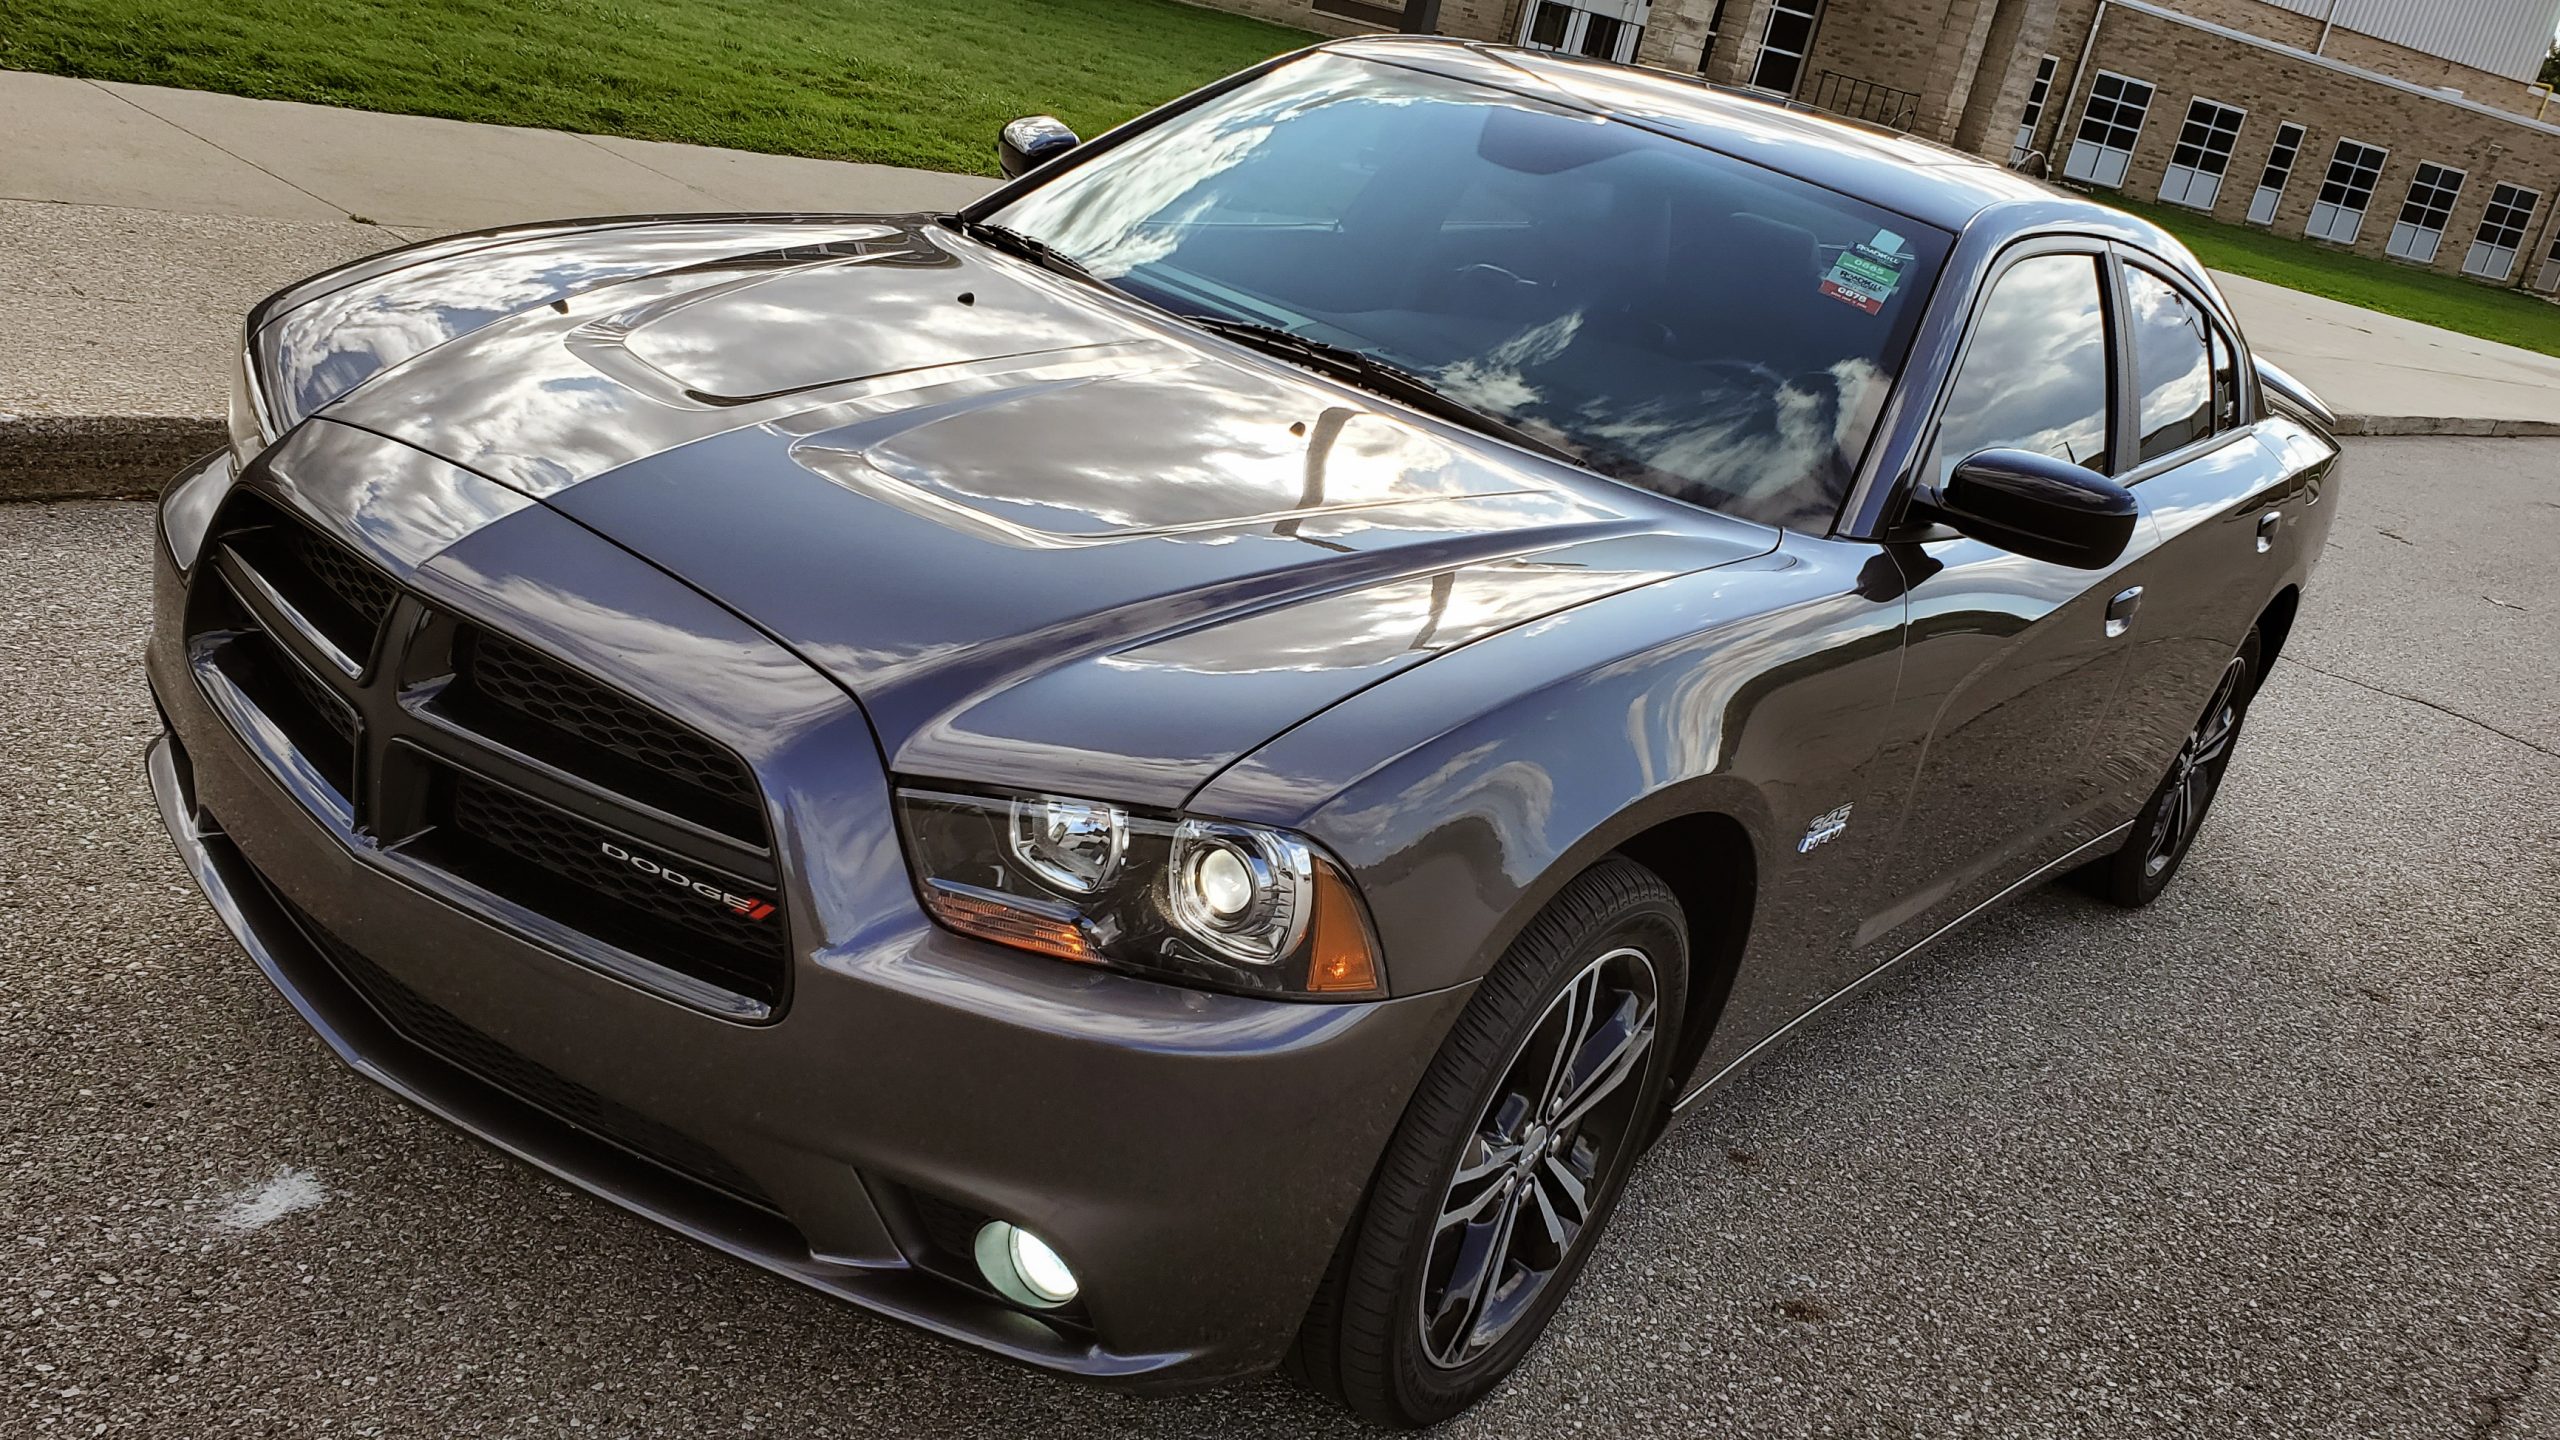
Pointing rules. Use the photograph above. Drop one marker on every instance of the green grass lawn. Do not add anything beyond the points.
(900, 82)
(2507, 316)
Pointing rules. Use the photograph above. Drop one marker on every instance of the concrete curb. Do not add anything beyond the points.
(2445, 425)
(98, 457)
(116, 457)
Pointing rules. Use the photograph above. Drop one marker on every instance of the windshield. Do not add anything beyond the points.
(1664, 314)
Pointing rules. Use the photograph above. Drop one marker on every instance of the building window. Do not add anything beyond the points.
(2279, 172)
(2037, 94)
(2338, 215)
(1783, 43)
(2423, 215)
(1601, 29)
(2501, 234)
(1715, 27)
(2108, 128)
(2194, 176)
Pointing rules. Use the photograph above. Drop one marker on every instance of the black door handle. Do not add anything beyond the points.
(2120, 611)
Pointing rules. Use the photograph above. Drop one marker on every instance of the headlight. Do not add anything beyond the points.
(1236, 907)
(246, 416)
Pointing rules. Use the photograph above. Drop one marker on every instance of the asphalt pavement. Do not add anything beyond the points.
(2273, 1157)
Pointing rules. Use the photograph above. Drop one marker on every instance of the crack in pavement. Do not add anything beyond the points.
(2539, 749)
(227, 150)
(2493, 1407)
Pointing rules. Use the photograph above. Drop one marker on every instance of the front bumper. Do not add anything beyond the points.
(1194, 1156)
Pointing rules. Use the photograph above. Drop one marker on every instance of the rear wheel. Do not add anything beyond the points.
(1509, 1159)
(2167, 826)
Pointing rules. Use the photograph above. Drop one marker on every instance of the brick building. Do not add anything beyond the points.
(2409, 130)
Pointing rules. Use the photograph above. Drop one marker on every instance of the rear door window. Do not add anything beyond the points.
(2172, 363)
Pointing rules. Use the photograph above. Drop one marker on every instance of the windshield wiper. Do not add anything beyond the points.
(1369, 372)
(1029, 247)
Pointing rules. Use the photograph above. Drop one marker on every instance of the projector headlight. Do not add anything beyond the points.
(1234, 907)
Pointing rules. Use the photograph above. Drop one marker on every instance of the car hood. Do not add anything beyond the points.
(1046, 535)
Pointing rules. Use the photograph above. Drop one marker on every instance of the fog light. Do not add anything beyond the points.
(1022, 1267)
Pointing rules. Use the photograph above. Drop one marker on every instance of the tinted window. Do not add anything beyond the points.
(2034, 374)
(2170, 364)
(2226, 381)
(1666, 315)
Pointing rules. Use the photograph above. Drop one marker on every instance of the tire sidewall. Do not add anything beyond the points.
(2131, 880)
(1650, 921)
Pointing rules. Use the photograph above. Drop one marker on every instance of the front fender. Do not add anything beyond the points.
(1465, 793)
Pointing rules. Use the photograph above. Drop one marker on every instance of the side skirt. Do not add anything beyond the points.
(2103, 844)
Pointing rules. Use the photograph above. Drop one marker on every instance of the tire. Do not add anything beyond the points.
(2166, 829)
(1613, 949)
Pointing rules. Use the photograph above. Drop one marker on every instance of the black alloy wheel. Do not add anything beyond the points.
(1513, 1152)
(2167, 827)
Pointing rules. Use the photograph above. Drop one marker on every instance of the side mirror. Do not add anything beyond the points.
(2040, 507)
(1030, 140)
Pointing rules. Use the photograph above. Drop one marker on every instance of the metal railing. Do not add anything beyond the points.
(1864, 100)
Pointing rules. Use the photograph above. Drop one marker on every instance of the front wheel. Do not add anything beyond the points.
(2166, 829)
(1509, 1159)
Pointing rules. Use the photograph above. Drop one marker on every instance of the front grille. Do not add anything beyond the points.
(314, 720)
(573, 716)
(341, 595)
(436, 1030)
(552, 861)
(364, 591)
(293, 625)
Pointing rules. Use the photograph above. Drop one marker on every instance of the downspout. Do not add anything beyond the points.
(2081, 79)
(2328, 22)
(1422, 17)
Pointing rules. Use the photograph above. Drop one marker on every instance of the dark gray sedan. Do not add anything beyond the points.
(1178, 771)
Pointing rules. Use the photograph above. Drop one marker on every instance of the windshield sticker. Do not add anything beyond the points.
(1866, 275)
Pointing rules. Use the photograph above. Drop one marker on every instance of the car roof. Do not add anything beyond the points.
(1928, 182)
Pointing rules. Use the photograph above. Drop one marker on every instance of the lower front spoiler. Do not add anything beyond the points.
(360, 1038)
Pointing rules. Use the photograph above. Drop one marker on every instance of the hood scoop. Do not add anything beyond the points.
(777, 334)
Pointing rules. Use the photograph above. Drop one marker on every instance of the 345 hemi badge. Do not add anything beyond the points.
(746, 905)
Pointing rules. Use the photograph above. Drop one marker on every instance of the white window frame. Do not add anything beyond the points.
(2418, 240)
(2194, 176)
(1631, 16)
(2273, 179)
(2101, 162)
(2038, 94)
(1811, 10)
(2495, 259)
(2335, 221)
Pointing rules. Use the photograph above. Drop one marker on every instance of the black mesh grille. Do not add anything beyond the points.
(342, 595)
(326, 704)
(432, 1028)
(540, 688)
(574, 880)
(358, 586)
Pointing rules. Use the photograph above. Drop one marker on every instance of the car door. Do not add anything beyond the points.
(2218, 501)
(2011, 665)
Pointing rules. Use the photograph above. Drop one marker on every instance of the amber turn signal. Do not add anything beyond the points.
(989, 918)
(1341, 958)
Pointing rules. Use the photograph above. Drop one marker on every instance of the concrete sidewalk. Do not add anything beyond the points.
(138, 224)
